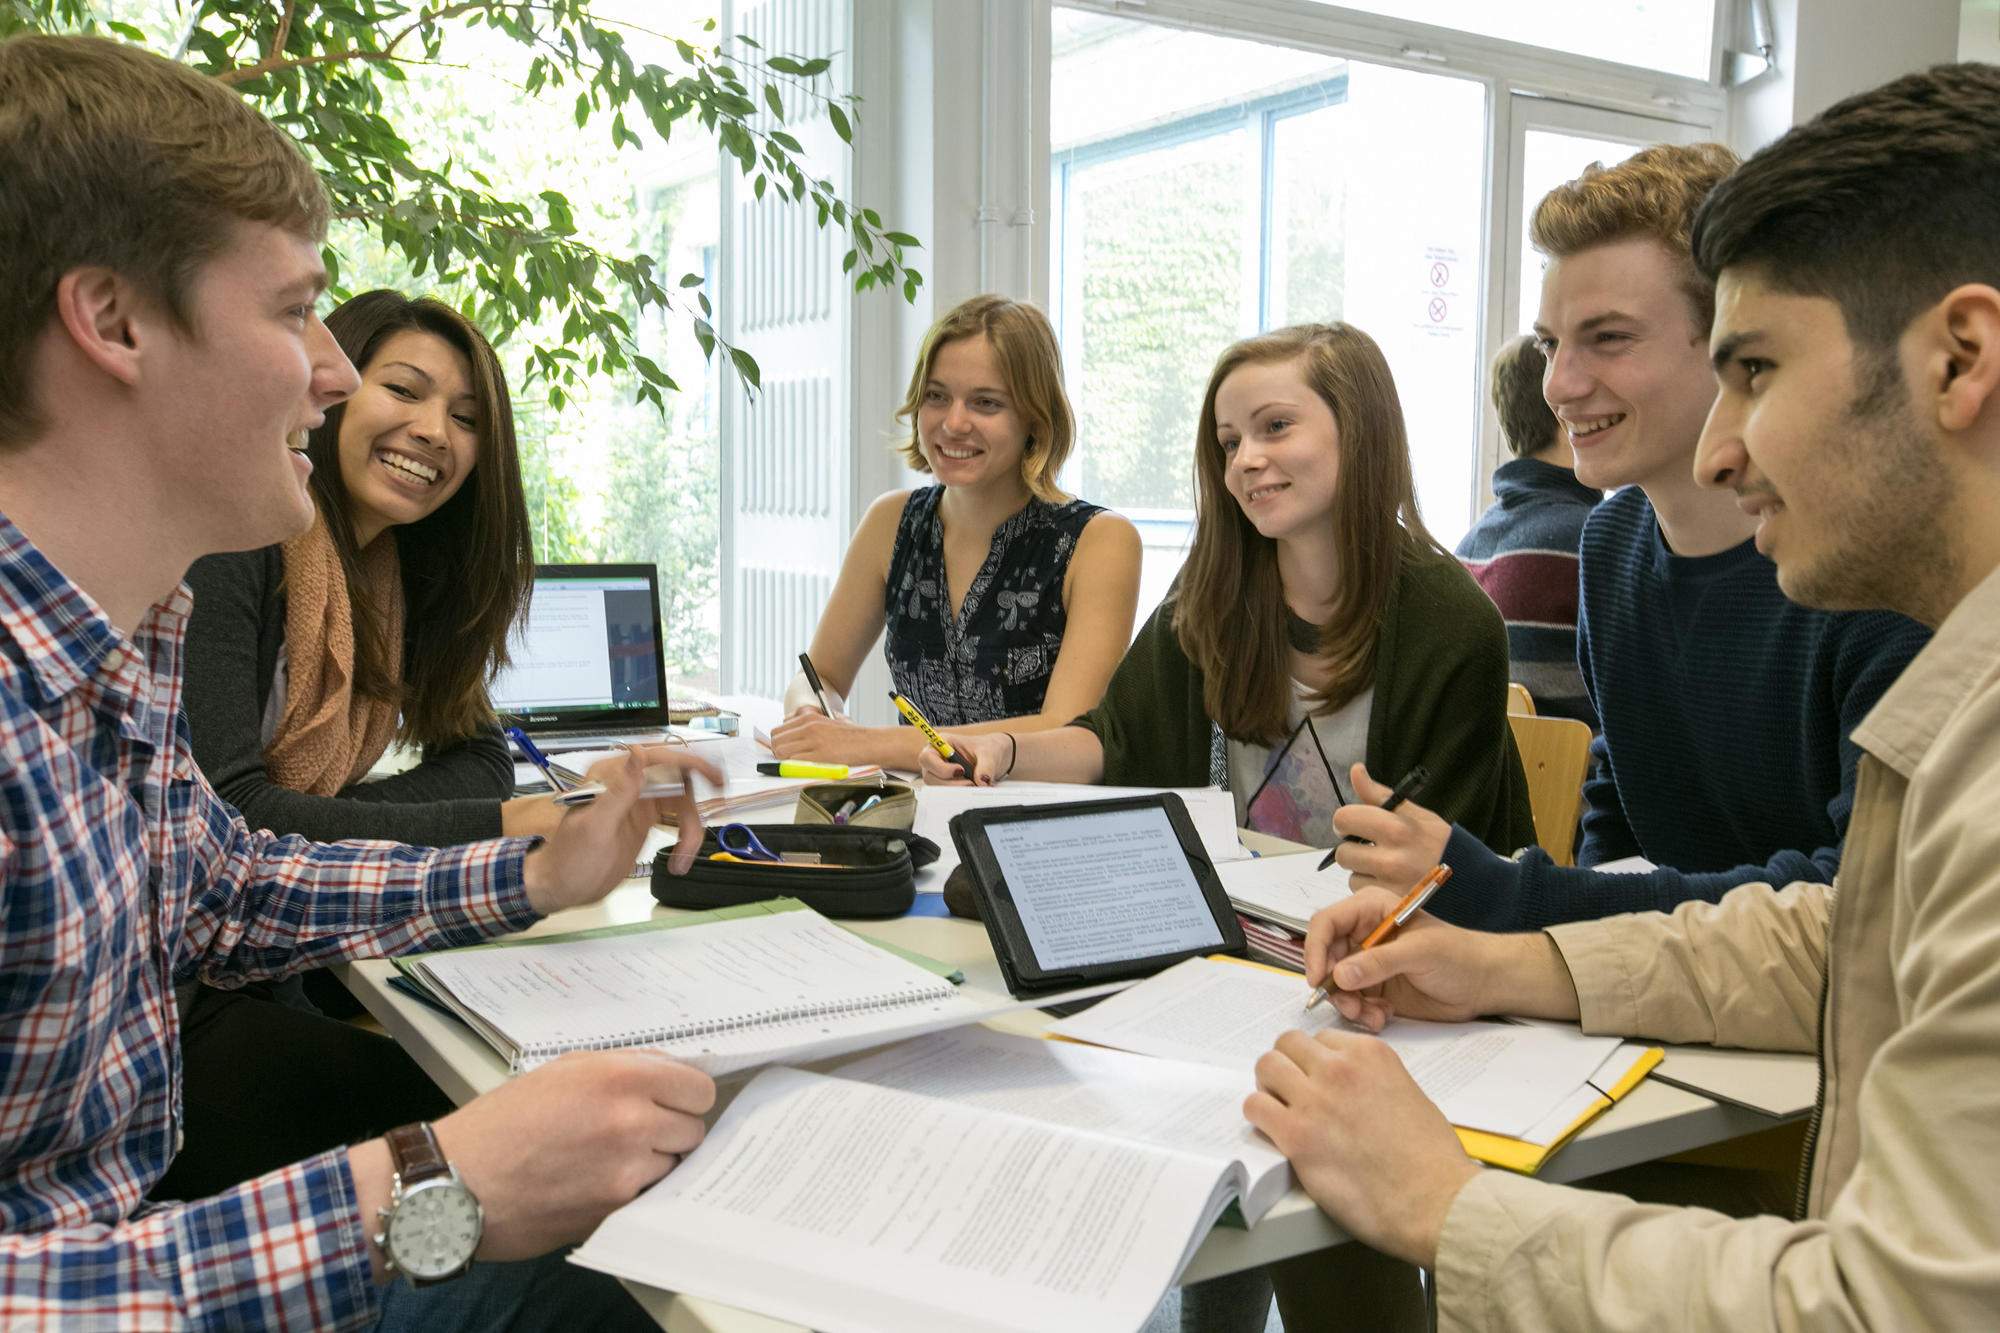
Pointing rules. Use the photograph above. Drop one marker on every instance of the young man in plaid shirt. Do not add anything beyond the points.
(159, 350)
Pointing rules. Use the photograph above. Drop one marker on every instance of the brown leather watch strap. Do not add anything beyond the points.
(416, 1153)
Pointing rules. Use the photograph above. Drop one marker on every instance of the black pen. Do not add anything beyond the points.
(1412, 783)
(812, 679)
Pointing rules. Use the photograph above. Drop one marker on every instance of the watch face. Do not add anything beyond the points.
(435, 1229)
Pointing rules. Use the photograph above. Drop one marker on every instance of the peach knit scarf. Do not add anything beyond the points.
(329, 737)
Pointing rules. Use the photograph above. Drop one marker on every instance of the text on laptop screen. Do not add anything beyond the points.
(586, 643)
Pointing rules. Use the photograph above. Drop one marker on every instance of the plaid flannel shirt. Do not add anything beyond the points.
(120, 872)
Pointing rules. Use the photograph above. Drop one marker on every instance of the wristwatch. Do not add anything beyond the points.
(433, 1222)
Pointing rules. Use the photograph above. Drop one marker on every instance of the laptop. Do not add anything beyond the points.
(588, 663)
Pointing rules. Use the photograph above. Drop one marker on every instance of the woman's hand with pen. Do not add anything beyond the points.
(987, 752)
(1401, 845)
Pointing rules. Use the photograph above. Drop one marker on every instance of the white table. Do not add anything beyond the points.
(1654, 1121)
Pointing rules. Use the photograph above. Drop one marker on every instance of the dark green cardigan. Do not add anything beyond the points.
(1440, 700)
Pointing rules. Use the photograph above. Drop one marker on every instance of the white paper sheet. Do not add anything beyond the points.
(1499, 1077)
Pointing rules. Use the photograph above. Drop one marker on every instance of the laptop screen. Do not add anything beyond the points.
(588, 651)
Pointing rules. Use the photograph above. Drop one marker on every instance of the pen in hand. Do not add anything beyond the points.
(1412, 783)
(1405, 909)
(560, 778)
(937, 742)
(812, 679)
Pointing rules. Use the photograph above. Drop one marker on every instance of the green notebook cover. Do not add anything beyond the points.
(406, 963)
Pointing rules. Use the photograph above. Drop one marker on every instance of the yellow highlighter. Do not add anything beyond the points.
(793, 768)
(938, 743)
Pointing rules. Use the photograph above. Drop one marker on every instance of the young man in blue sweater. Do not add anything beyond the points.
(1726, 710)
(1523, 549)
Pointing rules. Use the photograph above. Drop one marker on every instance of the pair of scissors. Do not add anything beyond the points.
(741, 843)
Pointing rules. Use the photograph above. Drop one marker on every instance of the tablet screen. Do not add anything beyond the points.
(1102, 887)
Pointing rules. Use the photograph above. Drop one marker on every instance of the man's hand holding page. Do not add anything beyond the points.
(592, 848)
(1364, 1141)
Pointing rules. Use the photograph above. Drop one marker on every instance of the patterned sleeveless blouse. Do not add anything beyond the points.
(995, 659)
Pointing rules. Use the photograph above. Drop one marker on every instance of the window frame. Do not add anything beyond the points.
(1526, 87)
(1259, 119)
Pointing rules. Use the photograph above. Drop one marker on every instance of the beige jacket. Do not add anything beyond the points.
(1902, 1228)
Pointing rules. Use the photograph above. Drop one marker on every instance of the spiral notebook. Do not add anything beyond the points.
(724, 995)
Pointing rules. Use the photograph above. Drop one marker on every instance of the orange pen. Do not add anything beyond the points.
(1412, 900)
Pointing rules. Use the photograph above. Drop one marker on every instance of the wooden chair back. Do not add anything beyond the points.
(1555, 751)
(1519, 700)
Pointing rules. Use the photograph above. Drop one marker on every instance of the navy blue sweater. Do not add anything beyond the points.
(1725, 751)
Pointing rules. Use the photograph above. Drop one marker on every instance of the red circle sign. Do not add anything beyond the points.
(1437, 310)
(1440, 274)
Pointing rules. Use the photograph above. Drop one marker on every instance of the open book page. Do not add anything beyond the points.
(1498, 1077)
(725, 995)
(1194, 1108)
(1210, 809)
(852, 1208)
(1285, 889)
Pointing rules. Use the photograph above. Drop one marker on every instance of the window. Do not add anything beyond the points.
(1208, 188)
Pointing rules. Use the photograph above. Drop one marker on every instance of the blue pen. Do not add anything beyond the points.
(534, 755)
(872, 801)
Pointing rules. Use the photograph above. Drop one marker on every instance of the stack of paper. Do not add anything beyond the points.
(744, 788)
(1283, 890)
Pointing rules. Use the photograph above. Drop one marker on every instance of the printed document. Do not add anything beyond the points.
(1192, 1107)
(852, 1208)
(1503, 1078)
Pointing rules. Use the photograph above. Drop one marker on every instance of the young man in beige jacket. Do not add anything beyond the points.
(1857, 344)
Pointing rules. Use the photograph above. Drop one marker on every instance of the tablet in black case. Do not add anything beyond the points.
(1089, 891)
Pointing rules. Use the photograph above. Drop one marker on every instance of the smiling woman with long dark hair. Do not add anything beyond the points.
(385, 620)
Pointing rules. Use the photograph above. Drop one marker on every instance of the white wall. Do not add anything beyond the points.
(1828, 49)
(1979, 31)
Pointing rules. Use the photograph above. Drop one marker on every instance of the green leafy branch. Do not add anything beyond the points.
(321, 70)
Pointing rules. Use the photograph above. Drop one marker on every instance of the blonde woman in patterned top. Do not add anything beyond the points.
(1007, 604)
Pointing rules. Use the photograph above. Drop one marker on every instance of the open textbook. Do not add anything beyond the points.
(722, 995)
(1515, 1091)
(971, 1181)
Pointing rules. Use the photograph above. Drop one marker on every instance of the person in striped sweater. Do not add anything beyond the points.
(1523, 550)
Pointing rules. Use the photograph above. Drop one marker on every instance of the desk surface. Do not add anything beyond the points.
(1654, 1121)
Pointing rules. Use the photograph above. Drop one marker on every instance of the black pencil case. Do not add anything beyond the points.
(862, 872)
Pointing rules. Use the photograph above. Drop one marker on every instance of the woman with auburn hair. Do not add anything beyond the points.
(1317, 624)
(1007, 603)
(382, 622)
